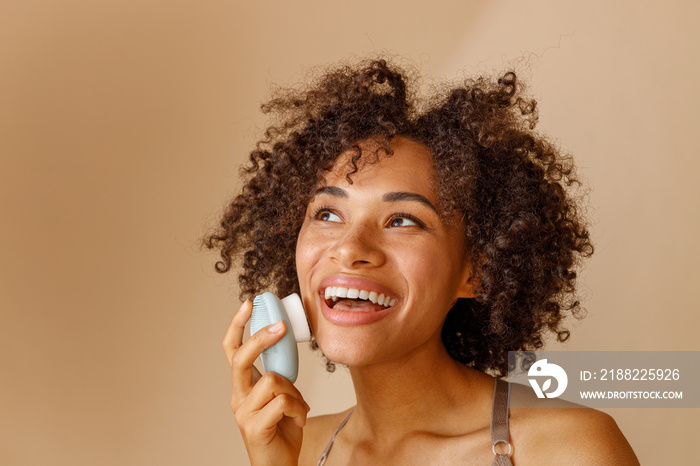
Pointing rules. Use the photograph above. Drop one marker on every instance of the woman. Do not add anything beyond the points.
(426, 242)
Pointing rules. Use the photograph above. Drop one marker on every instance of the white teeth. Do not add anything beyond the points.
(335, 292)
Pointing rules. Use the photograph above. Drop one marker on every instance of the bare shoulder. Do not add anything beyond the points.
(317, 433)
(571, 436)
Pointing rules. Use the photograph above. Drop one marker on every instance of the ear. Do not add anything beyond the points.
(469, 282)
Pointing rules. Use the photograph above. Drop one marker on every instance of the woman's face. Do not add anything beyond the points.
(378, 269)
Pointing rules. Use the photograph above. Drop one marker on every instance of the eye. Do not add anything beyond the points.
(405, 220)
(326, 215)
(401, 222)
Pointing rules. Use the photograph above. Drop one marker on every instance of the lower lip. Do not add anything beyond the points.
(352, 318)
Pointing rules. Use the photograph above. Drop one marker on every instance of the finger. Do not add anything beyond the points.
(270, 386)
(234, 334)
(283, 405)
(244, 357)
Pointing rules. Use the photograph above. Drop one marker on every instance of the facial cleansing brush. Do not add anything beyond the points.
(283, 356)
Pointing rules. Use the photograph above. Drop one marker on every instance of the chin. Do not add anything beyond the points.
(341, 349)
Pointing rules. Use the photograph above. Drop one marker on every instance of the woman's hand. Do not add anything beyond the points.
(270, 411)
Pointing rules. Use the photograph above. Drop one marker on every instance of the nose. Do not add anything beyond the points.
(358, 247)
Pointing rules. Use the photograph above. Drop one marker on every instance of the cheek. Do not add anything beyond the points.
(303, 265)
(301, 258)
(434, 269)
(427, 260)
(308, 252)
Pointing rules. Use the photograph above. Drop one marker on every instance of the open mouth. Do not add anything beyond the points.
(356, 300)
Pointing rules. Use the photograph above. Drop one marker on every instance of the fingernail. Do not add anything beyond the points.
(276, 327)
(242, 305)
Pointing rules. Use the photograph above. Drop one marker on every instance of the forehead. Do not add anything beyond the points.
(410, 165)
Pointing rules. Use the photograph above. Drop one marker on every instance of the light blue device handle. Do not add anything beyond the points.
(283, 356)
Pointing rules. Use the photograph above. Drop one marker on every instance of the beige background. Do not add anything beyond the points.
(122, 124)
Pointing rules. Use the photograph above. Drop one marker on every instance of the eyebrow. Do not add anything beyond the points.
(405, 196)
(388, 197)
(332, 191)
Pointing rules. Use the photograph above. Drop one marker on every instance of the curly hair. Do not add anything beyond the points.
(510, 187)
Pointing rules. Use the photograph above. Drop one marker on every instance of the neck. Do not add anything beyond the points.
(422, 392)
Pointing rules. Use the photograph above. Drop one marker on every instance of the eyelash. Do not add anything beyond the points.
(323, 209)
(407, 217)
(319, 210)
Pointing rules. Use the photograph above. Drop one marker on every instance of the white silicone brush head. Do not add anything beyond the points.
(297, 317)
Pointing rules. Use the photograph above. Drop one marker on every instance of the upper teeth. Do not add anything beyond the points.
(335, 292)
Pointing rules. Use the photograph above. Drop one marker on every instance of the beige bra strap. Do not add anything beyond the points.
(499, 423)
(499, 426)
(324, 455)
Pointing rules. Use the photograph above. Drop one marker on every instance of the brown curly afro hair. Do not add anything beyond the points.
(510, 187)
